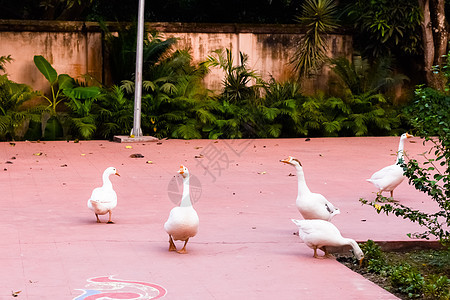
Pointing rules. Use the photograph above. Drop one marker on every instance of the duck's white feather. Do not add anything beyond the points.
(183, 221)
(104, 199)
(388, 178)
(315, 206)
(319, 233)
(310, 205)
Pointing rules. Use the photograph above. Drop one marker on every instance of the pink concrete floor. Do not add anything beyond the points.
(51, 246)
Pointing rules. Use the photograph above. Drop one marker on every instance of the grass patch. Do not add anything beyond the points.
(408, 274)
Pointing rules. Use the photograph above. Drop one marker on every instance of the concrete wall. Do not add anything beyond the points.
(68, 46)
(76, 48)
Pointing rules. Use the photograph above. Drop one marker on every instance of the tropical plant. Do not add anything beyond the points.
(385, 26)
(281, 113)
(78, 98)
(80, 102)
(121, 51)
(174, 101)
(240, 83)
(319, 18)
(240, 104)
(63, 9)
(114, 113)
(365, 108)
(14, 119)
(3, 61)
(57, 82)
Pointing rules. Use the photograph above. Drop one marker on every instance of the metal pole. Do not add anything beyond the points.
(137, 131)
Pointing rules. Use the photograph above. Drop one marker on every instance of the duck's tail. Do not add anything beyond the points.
(97, 207)
(296, 222)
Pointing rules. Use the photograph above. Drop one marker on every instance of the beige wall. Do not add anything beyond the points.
(69, 51)
(75, 48)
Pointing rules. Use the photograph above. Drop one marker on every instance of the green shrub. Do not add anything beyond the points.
(437, 287)
(114, 113)
(407, 280)
(14, 120)
(374, 259)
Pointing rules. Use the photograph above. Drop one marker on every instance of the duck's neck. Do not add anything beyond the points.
(186, 198)
(106, 182)
(400, 151)
(302, 187)
(356, 250)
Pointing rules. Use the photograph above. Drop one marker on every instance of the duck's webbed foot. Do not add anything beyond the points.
(172, 246)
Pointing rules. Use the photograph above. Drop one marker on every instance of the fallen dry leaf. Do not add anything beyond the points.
(15, 294)
(149, 162)
(199, 156)
(129, 147)
(136, 155)
(37, 153)
(82, 154)
(262, 173)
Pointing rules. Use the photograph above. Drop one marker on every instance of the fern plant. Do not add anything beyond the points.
(282, 101)
(365, 109)
(114, 113)
(3, 61)
(174, 102)
(14, 120)
(121, 51)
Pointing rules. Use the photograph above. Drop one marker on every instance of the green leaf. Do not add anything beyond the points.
(85, 92)
(65, 82)
(213, 135)
(45, 68)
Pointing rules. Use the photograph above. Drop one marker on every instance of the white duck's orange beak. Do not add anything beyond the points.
(409, 135)
(286, 160)
(181, 170)
(117, 174)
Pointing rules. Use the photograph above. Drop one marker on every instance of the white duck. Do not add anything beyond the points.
(318, 234)
(311, 205)
(183, 221)
(388, 178)
(104, 199)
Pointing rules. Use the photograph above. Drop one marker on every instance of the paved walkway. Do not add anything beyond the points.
(52, 248)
